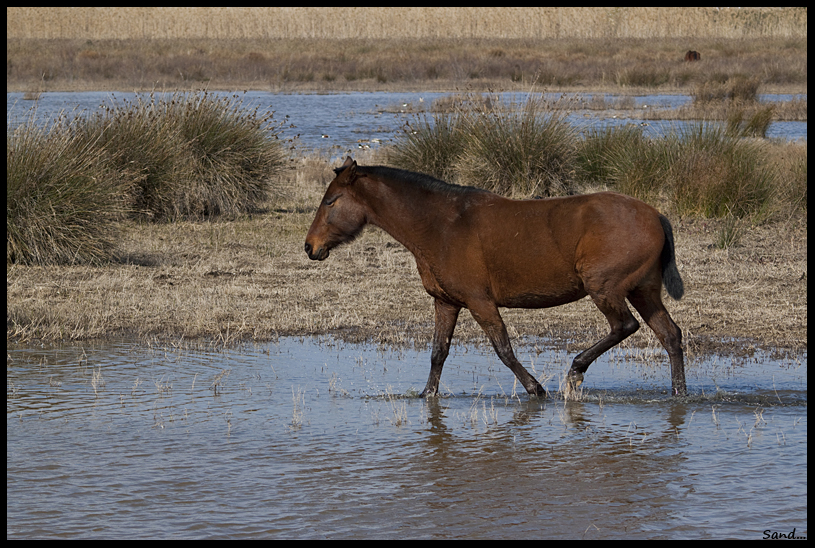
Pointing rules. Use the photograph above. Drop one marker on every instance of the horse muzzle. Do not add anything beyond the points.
(320, 254)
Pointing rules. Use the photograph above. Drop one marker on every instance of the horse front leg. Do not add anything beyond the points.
(446, 317)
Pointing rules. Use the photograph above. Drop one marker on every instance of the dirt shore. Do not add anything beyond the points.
(223, 282)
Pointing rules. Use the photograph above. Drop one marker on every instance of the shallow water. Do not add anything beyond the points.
(362, 119)
(314, 438)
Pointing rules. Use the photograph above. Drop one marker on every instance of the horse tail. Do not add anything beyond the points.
(670, 274)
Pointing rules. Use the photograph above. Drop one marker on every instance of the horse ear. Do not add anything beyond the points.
(348, 171)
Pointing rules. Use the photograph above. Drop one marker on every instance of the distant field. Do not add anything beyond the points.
(98, 23)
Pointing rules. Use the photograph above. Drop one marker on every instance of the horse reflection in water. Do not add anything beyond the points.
(480, 251)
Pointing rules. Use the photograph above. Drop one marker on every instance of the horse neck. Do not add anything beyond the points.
(408, 213)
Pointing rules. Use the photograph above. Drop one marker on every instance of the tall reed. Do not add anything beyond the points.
(402, 22)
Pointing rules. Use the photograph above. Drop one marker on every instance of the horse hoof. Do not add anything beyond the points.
(575, 380)
(537, 391)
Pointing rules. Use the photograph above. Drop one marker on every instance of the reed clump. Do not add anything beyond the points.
(706, 170)
(625, 160)
(197, 154)
(183, 156)
(64, 198)
(713, 174)
(520, 152)
(431, 144)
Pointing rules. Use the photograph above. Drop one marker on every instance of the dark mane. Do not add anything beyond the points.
(413, 178)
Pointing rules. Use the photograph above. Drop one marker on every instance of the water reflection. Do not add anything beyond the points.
(313, 438)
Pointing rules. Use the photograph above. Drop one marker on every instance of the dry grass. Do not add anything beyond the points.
(629, 65)
(249, 279)
(97, 23)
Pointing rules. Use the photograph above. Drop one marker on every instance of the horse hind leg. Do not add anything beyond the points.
(622, 323)
(649, 304)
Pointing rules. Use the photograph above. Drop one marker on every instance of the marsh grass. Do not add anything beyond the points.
(514, 150)
(196, 154)
(97, 381)
(624, 160)
(431, 144)
(520, 153)
(186, 155)
(713, 174)
(754, 124)
(319, 60)
(737, 88)
(286, 23)
(298, 398)
(529, 150)
(64, 197)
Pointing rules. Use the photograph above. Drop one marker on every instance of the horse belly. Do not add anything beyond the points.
(535, 288)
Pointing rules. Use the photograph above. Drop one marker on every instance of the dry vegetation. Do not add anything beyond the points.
(249, 279)
(418, 22)
(327, 49)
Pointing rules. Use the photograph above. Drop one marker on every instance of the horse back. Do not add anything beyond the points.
(542, 253)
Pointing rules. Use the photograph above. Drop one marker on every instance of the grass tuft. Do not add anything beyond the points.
(522, 152)
(64, 199)
(197, 154)
(183, 156)
(713, 174)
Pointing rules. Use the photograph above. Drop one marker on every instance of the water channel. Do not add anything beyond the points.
(340, 123)
(315, 438)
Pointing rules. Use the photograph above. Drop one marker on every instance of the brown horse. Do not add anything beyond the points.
(477, 250)
(692, 56)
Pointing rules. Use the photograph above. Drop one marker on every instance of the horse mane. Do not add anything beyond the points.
(415, 179)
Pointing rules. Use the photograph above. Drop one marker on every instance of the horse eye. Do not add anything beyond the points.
(331, 200)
